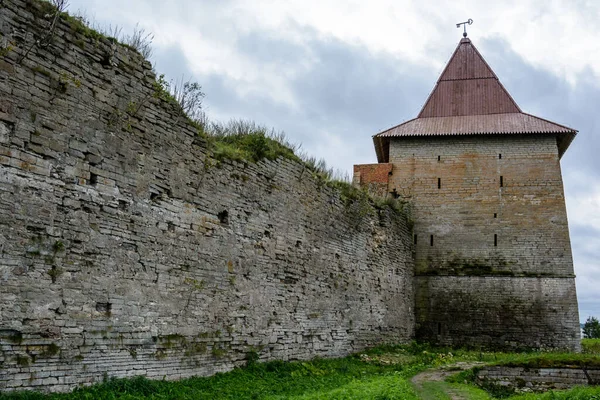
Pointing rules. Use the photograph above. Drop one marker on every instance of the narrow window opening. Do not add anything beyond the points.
(495, 240)
(105, 62)
(501, 181)
(431, 240)
(223, 217)
(439, 158)
(439, 183)
(500, 156)
(104, 308)
(93, 179)
(495, 215)
(415, 239)
(439, 328)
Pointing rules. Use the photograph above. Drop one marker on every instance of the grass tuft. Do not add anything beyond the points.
(246, 141)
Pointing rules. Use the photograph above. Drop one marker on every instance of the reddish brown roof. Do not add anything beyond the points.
(475, 124)
(468, 99)
(452, 98)
(468, 86)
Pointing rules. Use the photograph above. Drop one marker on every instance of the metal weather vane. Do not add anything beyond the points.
(464, 24)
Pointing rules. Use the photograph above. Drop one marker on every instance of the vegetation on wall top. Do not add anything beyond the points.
(237, 140)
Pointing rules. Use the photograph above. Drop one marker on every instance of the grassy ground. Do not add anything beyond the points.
(589, 358)
(443, 391)
(381, 373)
(590, 346)
(353, 377)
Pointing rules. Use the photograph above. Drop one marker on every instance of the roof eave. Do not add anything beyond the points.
(382, 143)
(394, 127)
(382, 148)
(563, 141)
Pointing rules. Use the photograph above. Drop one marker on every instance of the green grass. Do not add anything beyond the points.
(388, 387)
(537, 360)
(533, 360)
(347, 378)
(554, 360)
(578, 393)
(380, 373)
(246, 141)
(590, 346)
(441, 391)
(253, 146)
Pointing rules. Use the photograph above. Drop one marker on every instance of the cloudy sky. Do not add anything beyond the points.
(332, 73)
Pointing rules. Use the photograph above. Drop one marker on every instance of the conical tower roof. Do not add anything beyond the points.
(468, 99)
(468, 86)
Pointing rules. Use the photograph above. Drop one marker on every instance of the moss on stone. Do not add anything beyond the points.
(22, 361)
(12, 336)
(492, 266)
(173, 339)
(558, 360)
(50, 351)
(195, 348)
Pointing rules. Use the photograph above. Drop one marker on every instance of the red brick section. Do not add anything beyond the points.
(373, 176)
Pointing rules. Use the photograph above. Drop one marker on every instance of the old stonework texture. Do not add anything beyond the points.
(127, 248)
(493, 264)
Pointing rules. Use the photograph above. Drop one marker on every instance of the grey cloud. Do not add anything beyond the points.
(585, 230)
(587, 309)
(173, 63)
(539, 92)
(352, 84)
(269, 47)
(348, 91)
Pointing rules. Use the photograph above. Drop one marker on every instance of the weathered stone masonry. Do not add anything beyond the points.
(126, 250)
(493, 264)
(527, 379)
(493, 261)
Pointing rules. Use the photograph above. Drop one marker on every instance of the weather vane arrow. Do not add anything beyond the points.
(464, 24)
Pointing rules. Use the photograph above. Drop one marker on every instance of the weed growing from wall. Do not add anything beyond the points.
(53, 10)
(6, 46)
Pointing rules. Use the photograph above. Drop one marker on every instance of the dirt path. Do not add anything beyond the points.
(439, 375)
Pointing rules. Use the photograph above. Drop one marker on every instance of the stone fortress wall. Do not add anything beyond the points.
(125, 249)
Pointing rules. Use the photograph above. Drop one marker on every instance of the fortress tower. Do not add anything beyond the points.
(493, 264)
